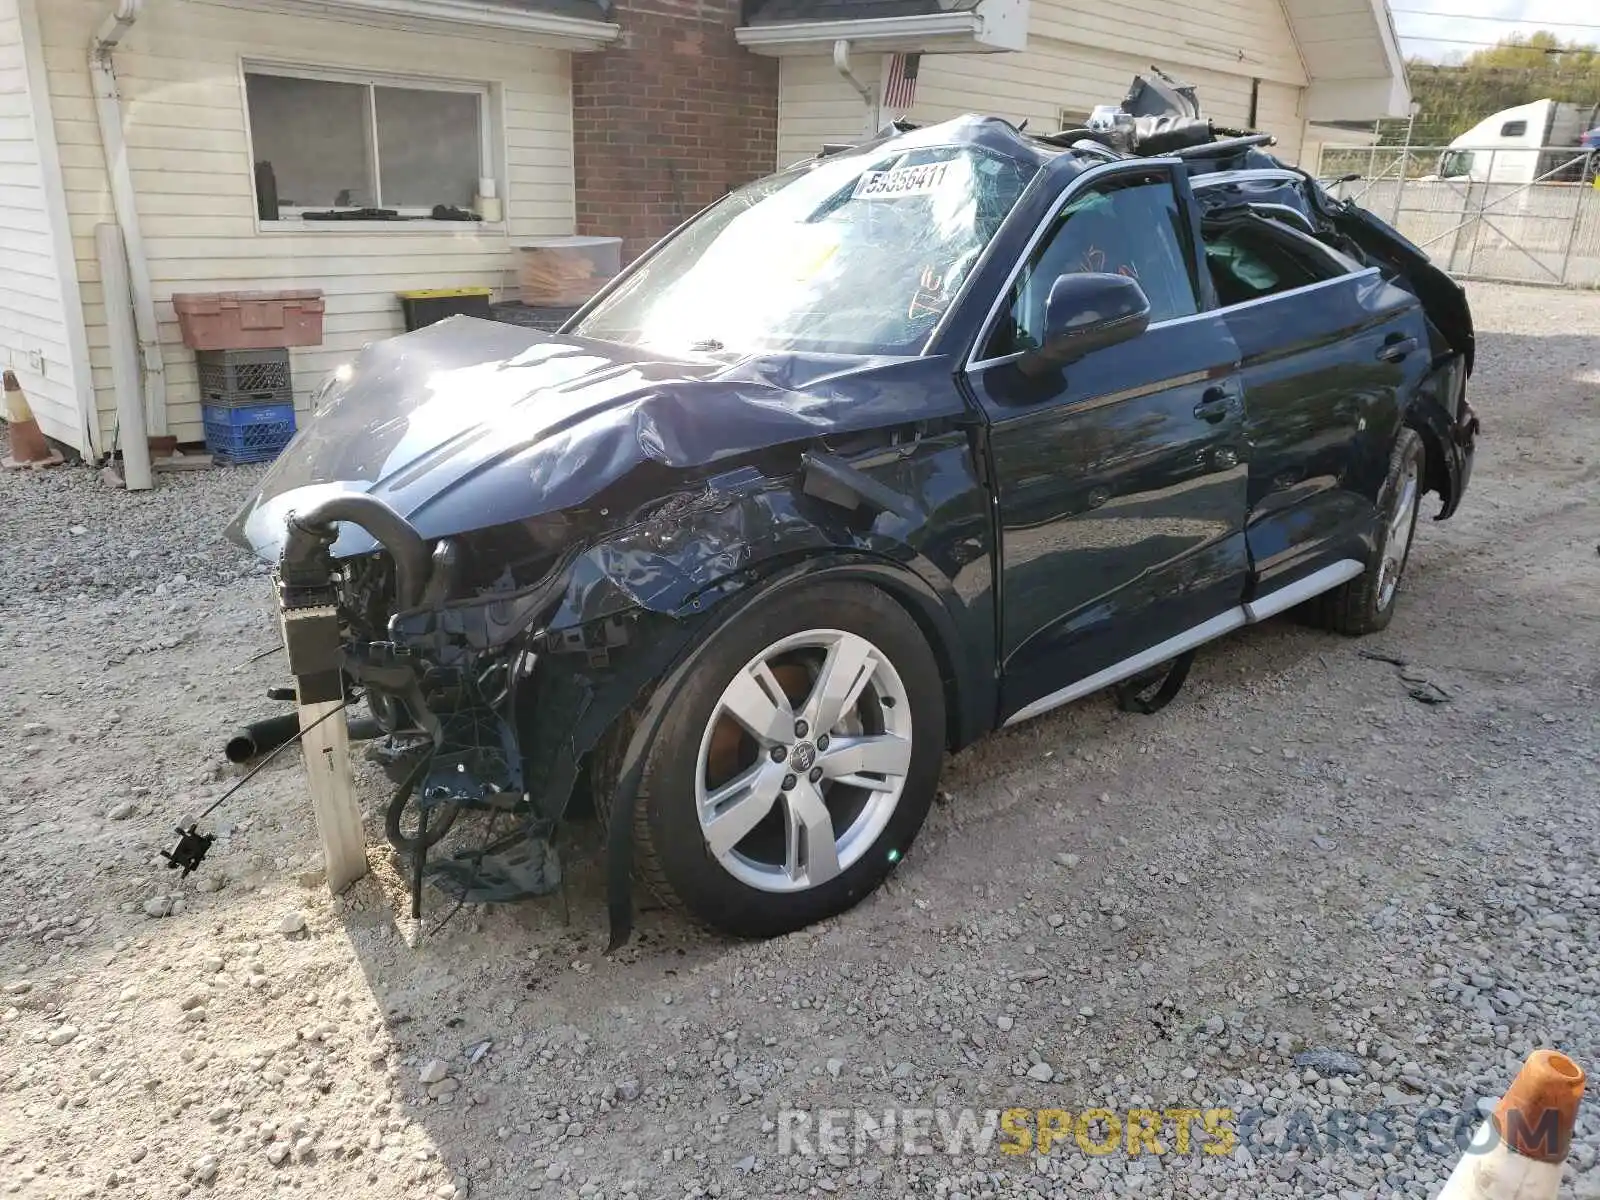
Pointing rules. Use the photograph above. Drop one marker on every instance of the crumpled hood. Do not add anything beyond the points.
(468, 423)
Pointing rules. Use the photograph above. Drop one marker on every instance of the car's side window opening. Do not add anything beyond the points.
(1251, 258)
(1132, 225)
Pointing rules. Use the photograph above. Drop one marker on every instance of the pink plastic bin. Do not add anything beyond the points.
(249, 320)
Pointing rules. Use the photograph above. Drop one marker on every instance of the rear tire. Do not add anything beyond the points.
(1366, 604)
(842, 655)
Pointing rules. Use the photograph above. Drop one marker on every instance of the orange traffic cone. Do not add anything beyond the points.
(1518, 1152)
(28, 447)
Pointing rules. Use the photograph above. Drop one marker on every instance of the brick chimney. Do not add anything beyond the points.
(670, 119)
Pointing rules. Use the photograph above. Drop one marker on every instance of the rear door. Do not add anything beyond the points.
(1329, 352)
(1122, 479)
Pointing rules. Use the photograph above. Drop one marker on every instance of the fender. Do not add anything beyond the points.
(697, 551)
(610, 630)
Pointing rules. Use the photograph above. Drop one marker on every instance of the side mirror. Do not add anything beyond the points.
(1087, 312)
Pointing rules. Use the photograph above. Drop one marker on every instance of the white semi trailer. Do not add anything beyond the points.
(1526, 143)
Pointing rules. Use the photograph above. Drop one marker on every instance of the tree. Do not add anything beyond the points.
(1519, 70)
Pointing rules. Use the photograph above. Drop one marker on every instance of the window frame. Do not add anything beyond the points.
(1456, 158)
(1085, 182)
(412, 218)
(1279, 175)
(1301, 241)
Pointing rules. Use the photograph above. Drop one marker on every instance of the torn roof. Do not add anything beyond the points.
(777, 12)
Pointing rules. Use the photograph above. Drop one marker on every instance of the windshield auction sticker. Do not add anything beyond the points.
(902, 181)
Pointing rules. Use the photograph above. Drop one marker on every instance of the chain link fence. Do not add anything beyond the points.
(1513, 216)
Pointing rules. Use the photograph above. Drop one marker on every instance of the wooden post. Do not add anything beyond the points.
(326, 746)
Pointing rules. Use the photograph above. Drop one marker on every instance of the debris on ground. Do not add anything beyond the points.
(1419, 687)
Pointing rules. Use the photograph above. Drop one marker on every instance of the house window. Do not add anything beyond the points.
(330, 143)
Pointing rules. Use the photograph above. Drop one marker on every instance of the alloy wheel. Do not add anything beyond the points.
(1397, 538)
(803, 761)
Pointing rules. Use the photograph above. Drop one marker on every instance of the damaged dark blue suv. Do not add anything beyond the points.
(918, 439)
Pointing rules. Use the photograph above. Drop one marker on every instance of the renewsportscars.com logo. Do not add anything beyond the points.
(1012, 1131)
(1137, 1132)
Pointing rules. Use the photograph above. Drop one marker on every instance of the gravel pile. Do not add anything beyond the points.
(69, 536)
(1297, 894)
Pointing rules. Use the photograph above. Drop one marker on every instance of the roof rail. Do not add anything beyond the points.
(1225, 147)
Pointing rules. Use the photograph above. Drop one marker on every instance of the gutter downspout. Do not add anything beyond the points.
(841, 63)
(108, 108)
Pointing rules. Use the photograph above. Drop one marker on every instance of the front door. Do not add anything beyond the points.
(1122, 479)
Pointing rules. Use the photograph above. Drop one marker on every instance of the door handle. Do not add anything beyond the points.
(1397, 348)
(1214, 406)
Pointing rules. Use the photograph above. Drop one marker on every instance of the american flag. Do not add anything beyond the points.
(900, 93)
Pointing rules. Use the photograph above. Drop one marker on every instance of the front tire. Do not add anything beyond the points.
(795, 766)
(1366, 604)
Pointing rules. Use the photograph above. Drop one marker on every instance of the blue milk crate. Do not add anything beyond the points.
(247, 433)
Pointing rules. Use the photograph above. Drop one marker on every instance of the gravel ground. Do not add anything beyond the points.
(1108, 912)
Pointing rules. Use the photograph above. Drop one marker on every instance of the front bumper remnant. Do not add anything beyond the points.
(311, 626)
(449, 735)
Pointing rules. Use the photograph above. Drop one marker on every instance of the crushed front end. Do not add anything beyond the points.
(497, 662)
(446, 737)
(493, 663)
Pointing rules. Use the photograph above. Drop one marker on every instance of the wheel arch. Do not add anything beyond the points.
(1442, 473)
(904, 586)
(964, 708)
(969, 704)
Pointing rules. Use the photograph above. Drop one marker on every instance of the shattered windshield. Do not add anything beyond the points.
(860, 254)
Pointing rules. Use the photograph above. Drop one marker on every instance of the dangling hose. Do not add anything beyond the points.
(429, 834)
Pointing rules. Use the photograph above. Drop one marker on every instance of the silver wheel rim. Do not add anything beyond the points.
(822, 727)
(1397, 538)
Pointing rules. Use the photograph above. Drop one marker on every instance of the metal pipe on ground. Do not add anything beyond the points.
(263, 737)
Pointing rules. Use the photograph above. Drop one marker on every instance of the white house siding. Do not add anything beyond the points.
(1282, 111)
(816, 106)
(1082, 53)
(36, 309)
(1247, 38)
(180, 70)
